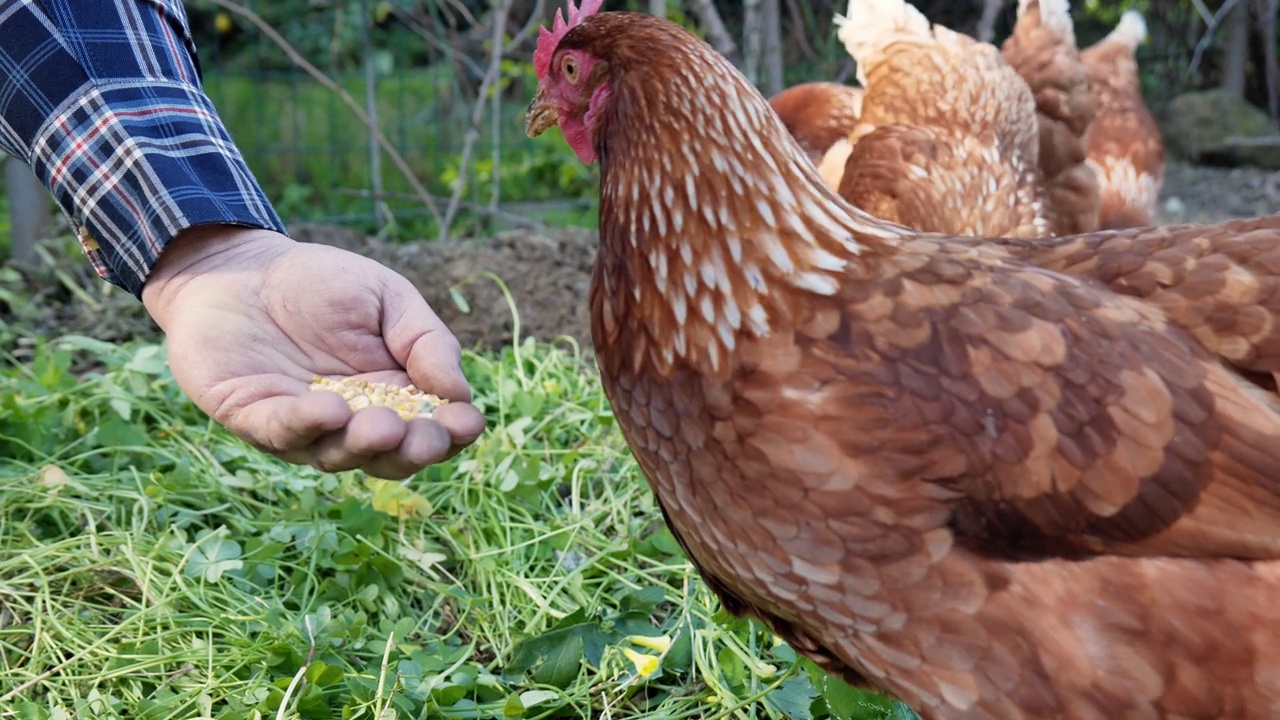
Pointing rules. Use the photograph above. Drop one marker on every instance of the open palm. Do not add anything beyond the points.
(252, 316)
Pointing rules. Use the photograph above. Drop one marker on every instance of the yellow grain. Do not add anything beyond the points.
(408, 402)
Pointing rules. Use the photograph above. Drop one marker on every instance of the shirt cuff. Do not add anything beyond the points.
(133, 164)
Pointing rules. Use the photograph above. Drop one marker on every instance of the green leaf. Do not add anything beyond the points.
(359, 519)
(555, 658)
(731, 666)
(396, 499)
(211, 555)
(530, 698)
(461, 302)
(644, 600)
(794, 698)
(148, 360)
(562, 663)
(321, 673)
(312, 703)
(116, 432)
(513, 707)
(30, 711)
(902, 712)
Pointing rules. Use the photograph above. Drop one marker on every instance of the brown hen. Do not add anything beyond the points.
(996, 489)
(947, 138)
(1125, 147)
(1043, 50)
(818, 114)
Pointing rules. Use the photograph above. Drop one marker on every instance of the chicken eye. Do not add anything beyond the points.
(570, 69)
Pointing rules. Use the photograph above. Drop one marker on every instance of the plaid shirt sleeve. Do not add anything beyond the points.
(103, 99)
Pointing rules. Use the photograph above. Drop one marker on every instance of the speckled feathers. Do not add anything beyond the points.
(964, 161)
(999, 478)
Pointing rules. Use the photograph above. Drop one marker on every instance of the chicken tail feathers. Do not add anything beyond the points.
(868, 26)
(1131, 31)
(1053, 14)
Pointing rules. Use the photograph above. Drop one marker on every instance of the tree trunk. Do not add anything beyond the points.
(800, 17)
(1267, 11)
(752, 39)
(658, 8)
(771, 15)
(1236, 62)
(717, 34)
(987, 23)
(29, 215)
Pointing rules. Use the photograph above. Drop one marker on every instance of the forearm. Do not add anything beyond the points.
(103, 99)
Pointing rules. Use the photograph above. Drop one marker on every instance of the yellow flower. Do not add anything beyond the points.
(646, 665)
(658, 644)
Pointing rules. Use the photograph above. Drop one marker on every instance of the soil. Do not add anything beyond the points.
(547, 274)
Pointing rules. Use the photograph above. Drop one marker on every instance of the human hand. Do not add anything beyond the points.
(251, 316)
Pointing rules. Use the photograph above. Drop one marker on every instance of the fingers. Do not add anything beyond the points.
(318, 429)
(381, 444)
(285, 423)
(420, 342)
(462, 421)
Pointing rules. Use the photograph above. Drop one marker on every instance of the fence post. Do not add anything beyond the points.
(371, 109)
(29, 216)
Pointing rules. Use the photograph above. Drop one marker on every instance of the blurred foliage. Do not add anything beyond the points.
(311, 153)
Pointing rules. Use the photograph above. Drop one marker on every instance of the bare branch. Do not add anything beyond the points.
(434, 41)
(380, 212)
(987, 23)
(772, 78)
(1267, 12)
(477, 113)
(752, 39)
(530, 27)
(799, 30)
(349, 101)
(717, 34)
(1211, 26)
(1205, 15)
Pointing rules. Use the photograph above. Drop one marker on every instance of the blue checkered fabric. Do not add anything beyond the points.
(103, 99)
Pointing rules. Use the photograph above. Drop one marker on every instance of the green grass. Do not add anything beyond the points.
(153, 566)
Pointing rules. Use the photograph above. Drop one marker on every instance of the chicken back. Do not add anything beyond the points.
(998, 479)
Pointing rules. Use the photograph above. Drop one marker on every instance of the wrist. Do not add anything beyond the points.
(203, 251)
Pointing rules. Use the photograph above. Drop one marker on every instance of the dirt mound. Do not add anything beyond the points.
(547, 274)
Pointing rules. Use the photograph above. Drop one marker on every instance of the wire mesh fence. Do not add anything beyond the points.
(300, 97)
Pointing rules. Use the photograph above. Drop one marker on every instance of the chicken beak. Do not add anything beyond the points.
(542, 115)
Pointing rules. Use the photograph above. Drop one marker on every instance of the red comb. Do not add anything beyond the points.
(549, 39)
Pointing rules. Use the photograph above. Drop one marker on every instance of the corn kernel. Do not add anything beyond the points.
(408, 402)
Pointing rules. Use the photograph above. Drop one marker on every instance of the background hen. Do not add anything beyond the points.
(994, 489)
(818, 114)
(1125, 148)
(947, 140)
(1043, 50)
